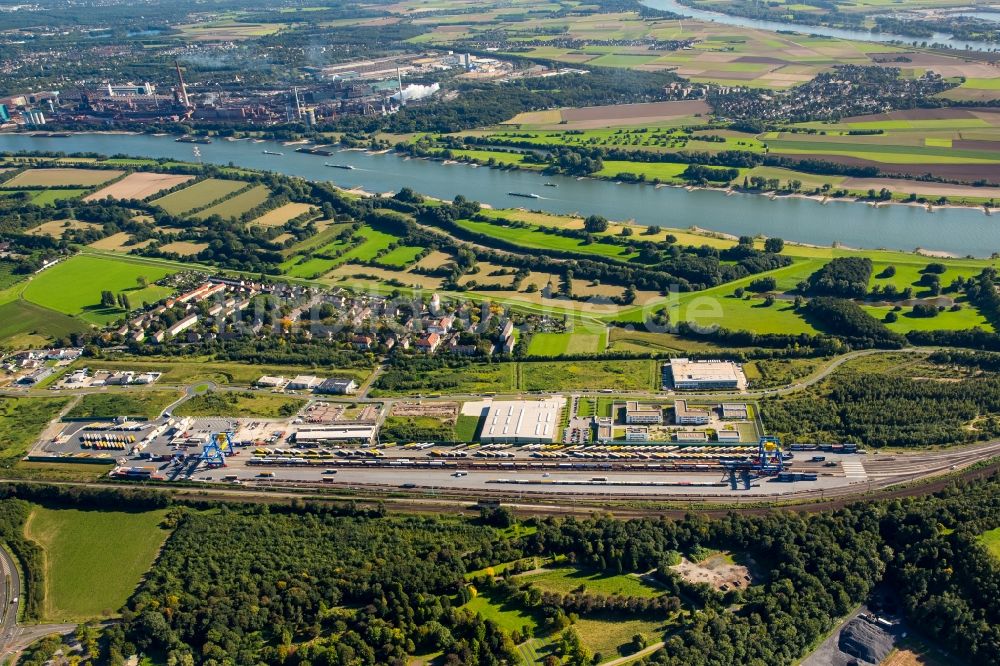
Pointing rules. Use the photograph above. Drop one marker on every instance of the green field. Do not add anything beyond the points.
(991, 540)
(644, 342)
(307, 268)
(966, 318)
(144, 404)
(607, 636)
(534, 238)
(260, 405)
(662, 171)
(475, 378)
(593, 375)
(319, 240)
(74, 286)
(374, 242)
(93, 559)
(622, 60)
(572, 342)
(507, 615)
(498, 156)
(200, 194)
(566, 579)
(22, 421)
(611, 636)
(49, 196)
(237, 205)
(400, 257)
(24, 324)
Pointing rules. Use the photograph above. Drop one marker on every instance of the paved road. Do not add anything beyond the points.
(16, 637)
(644, 652)
(10, 589)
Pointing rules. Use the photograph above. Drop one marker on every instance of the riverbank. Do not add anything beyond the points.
(895, 185)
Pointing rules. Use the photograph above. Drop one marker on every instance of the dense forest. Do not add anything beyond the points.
(878, 409)
(847, 277)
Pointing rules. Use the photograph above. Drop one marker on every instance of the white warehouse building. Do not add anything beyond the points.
(704, 375)
(521, 421)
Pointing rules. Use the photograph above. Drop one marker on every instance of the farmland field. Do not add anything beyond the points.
(227, 30)
(237, 205)
(47, 197)
(536, 239)
(184, 248)
(644, 342)
(282, 214)
(374, 242)
(308, 268)
(402, 256)
(357, 274)
(62, 177)
(144, 404)
(139, 186)
(119, 242)
(24, 324)
(662, 171)
(74, 286)
(93, 559)
(200, 194)
(56, 228)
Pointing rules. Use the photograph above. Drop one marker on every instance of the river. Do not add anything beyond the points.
(842, 33)
(960, 231)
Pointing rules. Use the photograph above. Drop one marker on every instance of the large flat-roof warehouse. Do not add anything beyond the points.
(521, 421)
(683, 374)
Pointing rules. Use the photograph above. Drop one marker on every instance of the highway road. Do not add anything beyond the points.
(9, 590)
(16, 637)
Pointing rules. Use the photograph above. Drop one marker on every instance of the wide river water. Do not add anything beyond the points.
(842, 33)
(960, 231)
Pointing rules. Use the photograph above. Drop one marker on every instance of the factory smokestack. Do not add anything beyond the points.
(399, 78)
(182, 93)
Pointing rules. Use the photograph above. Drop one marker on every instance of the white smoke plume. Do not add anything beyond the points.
(416, 91)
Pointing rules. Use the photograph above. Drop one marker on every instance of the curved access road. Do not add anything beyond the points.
(16, 637)
(10, 589)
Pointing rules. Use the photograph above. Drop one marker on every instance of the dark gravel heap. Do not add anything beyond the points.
(865, 641)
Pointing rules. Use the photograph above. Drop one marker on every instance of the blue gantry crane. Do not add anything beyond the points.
(219, 445)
